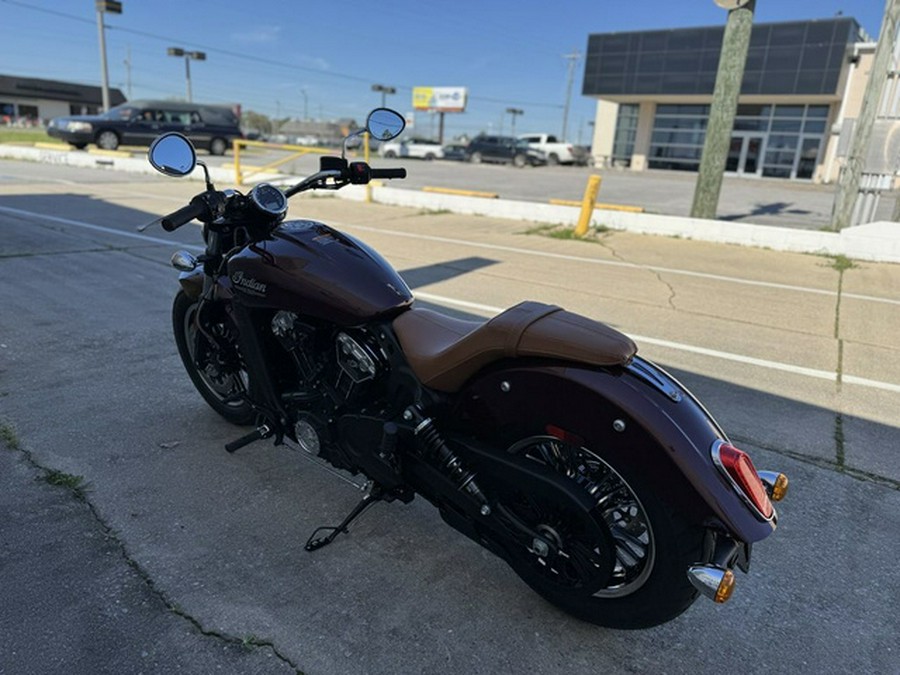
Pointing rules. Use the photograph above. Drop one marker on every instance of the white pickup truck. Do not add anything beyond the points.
(555, 151)
(421, 148)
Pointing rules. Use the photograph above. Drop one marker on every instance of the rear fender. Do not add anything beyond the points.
(653, 429)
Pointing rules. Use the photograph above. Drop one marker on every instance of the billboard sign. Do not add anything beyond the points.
(439, 99)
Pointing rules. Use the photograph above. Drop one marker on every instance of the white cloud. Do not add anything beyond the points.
(258, 36)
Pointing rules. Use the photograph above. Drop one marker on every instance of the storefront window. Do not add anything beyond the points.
(626, 130)
(778, 141)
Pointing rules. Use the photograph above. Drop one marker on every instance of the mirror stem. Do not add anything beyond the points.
(209, 186)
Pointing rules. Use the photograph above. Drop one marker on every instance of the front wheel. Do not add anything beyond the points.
(107, 140)
(625, 565)
(209, 351)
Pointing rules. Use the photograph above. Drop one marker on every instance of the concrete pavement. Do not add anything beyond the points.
(795, 355)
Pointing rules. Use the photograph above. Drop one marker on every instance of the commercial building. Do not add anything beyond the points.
(802, 81)
(30, 100)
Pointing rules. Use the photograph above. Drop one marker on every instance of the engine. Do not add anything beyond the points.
(335, 374)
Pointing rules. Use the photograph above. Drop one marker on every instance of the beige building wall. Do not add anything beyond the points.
(850, 107)
(604, 132)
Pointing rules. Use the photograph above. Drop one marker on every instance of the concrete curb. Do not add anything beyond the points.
(879, 242)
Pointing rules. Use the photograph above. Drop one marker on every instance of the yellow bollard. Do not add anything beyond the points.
(587, 204)
(236, 145)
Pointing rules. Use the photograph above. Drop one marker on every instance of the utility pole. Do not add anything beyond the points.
(732, 60)
(127, 63)
(573, 58)
(515, 112)
(104, 6)
(849, 179)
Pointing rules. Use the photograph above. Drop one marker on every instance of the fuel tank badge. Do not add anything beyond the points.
(248, 284)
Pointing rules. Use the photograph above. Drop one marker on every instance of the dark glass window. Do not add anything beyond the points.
(799, 57)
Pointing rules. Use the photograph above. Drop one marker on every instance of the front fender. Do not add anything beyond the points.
(657, 431)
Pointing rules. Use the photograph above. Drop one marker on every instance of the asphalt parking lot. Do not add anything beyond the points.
(179, 557)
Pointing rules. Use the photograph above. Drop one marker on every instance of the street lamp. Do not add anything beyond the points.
(198, 56)
(104, 6)
(514, 112)
(385, 90)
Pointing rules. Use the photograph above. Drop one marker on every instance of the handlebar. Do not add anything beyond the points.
(183, 215)
(387, 173)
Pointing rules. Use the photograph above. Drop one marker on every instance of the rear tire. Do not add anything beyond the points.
(475, 158)
(653, 545)
(519, 161)
(220, 375)
(218, 146)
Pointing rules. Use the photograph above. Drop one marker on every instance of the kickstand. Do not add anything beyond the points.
(375, 494)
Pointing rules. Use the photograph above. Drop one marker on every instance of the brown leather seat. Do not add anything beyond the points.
(445, 352)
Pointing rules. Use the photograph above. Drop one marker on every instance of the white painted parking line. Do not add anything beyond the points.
(465, 304)
(619, 263)
(703, 351)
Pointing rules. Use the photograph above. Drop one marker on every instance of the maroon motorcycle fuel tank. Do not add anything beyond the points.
(312, 269)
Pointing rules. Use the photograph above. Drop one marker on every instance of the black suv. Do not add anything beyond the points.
(210, 128)
(504, 149)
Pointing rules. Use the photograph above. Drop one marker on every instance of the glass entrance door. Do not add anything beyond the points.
(745, 155)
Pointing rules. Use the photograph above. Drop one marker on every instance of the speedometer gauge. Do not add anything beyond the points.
(269, 199)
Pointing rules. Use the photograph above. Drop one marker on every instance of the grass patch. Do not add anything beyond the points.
(66, 480)
(8, 437)
(17, 135)
(249, 642)
(594, 234)
(434, 212)
(841, 263)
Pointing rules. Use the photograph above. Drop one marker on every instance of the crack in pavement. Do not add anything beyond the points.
(79, 493)
(656, 273)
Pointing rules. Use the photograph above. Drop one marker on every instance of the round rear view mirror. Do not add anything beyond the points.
(173, 155)
(384, 124)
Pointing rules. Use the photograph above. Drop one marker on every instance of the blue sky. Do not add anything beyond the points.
(321, 58)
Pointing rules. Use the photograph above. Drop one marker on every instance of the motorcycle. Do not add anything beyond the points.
(539, 434)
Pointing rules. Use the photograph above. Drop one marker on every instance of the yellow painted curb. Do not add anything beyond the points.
(54, 146)
(464, 193)
(109, 153)
(598, 205)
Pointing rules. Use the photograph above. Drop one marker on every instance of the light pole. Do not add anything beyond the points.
(573, 58)
(198, 56)
(104, 6)
(305, 105)
(385, 90)
(514, 112)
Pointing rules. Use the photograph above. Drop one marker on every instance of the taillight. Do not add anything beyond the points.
(738, 468)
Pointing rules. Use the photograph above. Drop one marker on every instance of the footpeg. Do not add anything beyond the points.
(265, 431)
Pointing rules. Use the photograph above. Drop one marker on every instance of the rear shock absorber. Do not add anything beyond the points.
(433, 448)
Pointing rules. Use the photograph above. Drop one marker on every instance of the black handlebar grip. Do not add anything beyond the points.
(183, 215)
(388, 173)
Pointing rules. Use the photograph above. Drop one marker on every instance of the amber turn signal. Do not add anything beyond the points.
(776, 484)
(726, 587)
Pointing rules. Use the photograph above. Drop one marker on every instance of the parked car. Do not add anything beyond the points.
(455, 151)
(209, 127)
(505, 149)
(557, 152)
(421, 148)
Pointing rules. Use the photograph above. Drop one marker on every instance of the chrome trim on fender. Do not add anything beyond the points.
(655, 377)
(717, 460)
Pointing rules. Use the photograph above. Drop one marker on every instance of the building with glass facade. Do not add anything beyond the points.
(802, 81)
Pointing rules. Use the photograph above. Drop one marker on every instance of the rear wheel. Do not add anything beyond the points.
(520, 160)
(209, 351)
(107, 140)
(218, 146)
(622, 566)
(475, 158)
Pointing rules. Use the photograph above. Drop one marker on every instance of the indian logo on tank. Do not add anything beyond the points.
(248, 284)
